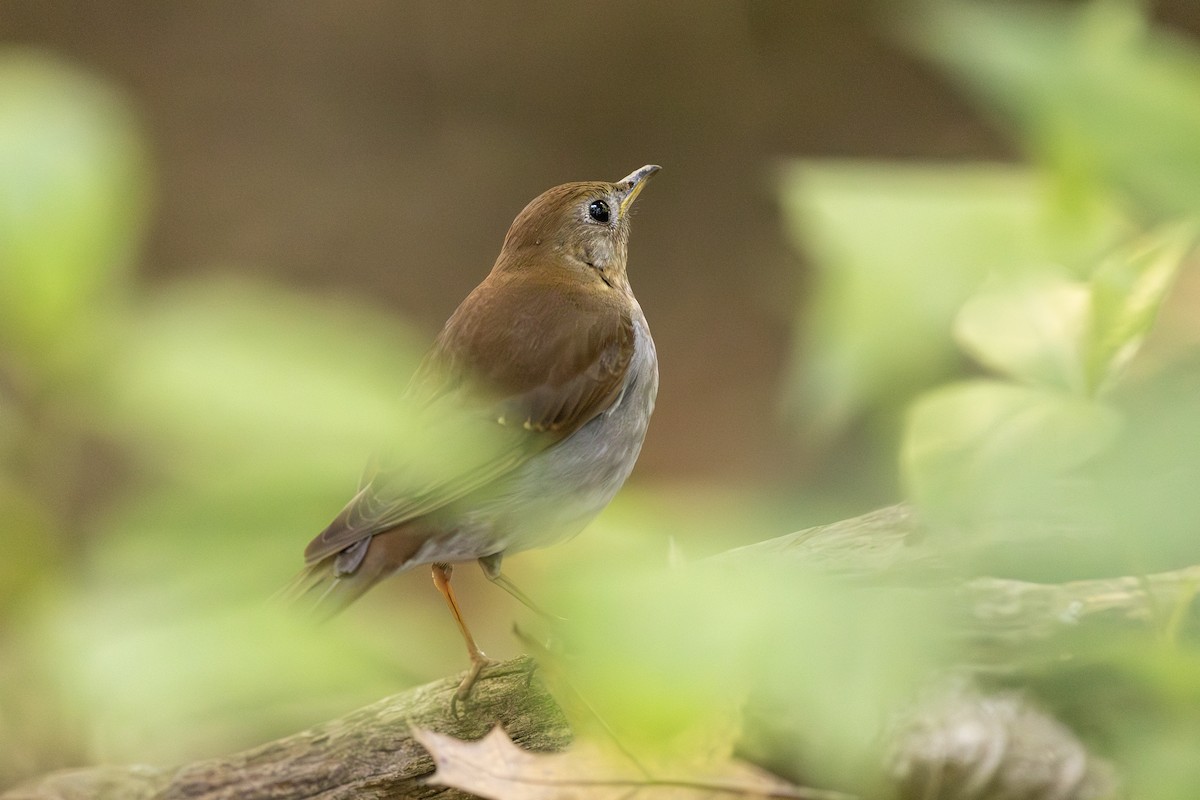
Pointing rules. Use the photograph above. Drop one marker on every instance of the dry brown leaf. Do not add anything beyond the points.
(495, 767)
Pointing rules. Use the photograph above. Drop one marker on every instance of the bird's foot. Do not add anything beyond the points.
(463, 693)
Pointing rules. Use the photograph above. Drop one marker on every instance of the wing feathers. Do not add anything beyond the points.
(511, 374)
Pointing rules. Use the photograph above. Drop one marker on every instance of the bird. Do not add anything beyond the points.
(529, 412)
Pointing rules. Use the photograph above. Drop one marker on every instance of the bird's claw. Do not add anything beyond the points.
(530, 670)
(463, 693)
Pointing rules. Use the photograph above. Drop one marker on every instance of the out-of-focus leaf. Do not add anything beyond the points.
(263, 388)
(30, 548)
(254, 383)
(980, 449)
(1090, 86)
(496, 768)
(661, 655)
(11, 430)
(1032, 329)
(1143, 699)
(72, 202)
(1159, 754)
(1053, 331)
(174, 683)
(1127, 291)
(1147, 481)
(897, 249)
(249, 412)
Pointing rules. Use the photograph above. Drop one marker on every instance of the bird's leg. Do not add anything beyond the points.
(441, 579)
(491, 570)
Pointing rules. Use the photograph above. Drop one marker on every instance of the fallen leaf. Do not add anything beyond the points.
(495, 767)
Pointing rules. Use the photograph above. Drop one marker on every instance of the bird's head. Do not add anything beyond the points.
(582, 227)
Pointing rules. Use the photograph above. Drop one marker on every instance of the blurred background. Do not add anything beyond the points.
(228, 231)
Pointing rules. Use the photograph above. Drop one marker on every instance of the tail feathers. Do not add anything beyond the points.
(326, 587)
(321, 592)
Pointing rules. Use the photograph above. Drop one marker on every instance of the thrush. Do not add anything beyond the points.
(534, 399)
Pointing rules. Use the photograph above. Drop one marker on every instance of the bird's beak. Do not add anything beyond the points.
(631, 185)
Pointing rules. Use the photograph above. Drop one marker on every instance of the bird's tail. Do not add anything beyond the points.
(326, 587)
(318, 590)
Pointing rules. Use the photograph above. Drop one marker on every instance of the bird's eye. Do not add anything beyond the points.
(598, 211)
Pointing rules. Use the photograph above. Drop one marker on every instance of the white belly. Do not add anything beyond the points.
(555, 494)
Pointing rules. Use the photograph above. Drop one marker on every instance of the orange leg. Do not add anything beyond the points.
(441, 579)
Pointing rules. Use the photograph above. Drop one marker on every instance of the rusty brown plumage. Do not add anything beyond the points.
(551, 357)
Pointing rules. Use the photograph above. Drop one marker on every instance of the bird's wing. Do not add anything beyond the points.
(508, 377)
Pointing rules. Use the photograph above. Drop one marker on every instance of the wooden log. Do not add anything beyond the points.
(369, 753)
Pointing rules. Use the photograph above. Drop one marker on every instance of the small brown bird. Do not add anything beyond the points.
(536, 394)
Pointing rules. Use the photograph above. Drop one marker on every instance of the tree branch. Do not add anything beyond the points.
(369, 753)
(998, 614)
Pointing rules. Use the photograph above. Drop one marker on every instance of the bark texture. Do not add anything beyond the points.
(369, 753)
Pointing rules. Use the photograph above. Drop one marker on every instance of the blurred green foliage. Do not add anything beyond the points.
(993, 325)
(162, 456)
(989, 448)
(73, 205)
(72, 201)
(897, 249)
(1094, 92)
(670, 659)
(1000, 322)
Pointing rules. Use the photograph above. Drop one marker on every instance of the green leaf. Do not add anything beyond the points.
(1127, 291)
(247, 412)
(667, 656)
(241, 380)
(980, 449)
(31, 549)
(72, 202)
(896, 250)
(1051, 331)
(1031, 329)
(1089, 87)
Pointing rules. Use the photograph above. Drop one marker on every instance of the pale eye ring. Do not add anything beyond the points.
(598, 210)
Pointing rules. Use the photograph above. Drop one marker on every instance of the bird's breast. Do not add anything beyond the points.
(556, 493)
